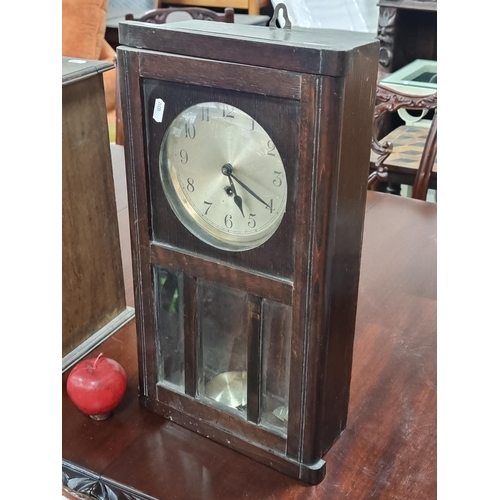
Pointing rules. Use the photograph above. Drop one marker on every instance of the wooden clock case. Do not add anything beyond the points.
(314, 92)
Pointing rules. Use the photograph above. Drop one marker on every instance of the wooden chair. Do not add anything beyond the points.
(253, 6)
(134, 4)
(162, 16)
(175, 14)
(407, 155)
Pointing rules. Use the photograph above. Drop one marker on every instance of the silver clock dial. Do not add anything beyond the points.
(223, 176)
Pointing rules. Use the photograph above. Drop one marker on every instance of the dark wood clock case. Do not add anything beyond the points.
(313, 91)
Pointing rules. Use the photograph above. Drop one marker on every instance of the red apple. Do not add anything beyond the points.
(96, 386)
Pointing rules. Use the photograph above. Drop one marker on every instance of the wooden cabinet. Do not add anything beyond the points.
(93, 288)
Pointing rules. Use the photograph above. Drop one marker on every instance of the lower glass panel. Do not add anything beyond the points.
(169, 327)
(276, 344)
(225, 330)
(224, 327)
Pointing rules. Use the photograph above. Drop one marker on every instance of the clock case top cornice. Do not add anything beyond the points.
(307, 50)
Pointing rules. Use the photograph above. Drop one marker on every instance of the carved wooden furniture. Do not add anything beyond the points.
(253, 6)
(407, 155)
(93, 294)
(162, 16)
(389, 447)
(407, 30)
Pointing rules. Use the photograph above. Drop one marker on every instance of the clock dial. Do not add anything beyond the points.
(223, 176)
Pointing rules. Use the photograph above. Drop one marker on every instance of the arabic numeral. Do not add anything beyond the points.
(209, 206)
(270, 206)
(204, 115)
(184, 156)
(228, 221)
(190, 186)
(252, 222)
(277, 180)
(271, 148)
(227, 112)
(190, 131)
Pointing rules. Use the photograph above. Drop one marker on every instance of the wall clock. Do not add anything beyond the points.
(247, 152)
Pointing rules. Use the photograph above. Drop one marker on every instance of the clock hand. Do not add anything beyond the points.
(237, 199)
(227, 169)
(244, 186)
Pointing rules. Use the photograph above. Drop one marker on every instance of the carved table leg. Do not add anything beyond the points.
(393, 188)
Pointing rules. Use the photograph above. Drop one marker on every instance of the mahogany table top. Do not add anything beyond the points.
(388, 450)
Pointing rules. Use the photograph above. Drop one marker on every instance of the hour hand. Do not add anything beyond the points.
(226, 170)
(237, 199)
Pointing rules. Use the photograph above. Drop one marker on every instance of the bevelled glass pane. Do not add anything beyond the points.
(276, 338)
(169, 327)
(224, 327)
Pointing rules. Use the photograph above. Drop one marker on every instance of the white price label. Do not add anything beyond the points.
(158, 111)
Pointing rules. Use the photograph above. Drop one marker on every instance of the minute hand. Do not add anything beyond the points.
(244, 186)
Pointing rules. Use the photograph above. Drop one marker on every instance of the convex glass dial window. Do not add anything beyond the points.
(223, 176)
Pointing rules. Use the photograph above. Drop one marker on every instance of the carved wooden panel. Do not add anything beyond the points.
(407, 30)
(81, 484)
(386, 30)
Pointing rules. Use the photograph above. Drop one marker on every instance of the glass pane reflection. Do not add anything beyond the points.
(169, 327)
(276, 338)
(224, 326)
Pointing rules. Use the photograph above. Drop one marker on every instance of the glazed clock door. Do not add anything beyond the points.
(222, 187)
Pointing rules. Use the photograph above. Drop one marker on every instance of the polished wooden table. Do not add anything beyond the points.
(388, 450)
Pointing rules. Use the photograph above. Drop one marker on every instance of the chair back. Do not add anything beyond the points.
(134, 4)
(423, 144)
(424, 171)
(252, 6)
(175, 14)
